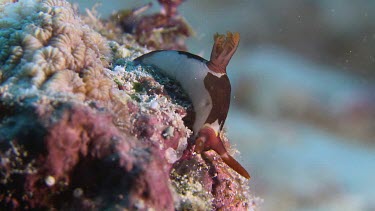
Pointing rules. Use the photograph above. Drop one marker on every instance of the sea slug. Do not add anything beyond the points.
(208, 87)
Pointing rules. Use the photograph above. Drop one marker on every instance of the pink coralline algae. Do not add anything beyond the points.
(80, 148)
(82, 127)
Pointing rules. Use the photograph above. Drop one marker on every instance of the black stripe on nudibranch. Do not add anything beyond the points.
(193, 56)
(187, 54)
(139, 60)
(219, 89)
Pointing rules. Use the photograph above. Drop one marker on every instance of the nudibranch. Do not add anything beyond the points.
(207, 85)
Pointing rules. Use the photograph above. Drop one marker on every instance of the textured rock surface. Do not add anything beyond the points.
(82, 127)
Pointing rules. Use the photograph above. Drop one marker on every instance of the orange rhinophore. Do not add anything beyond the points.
(222, 51)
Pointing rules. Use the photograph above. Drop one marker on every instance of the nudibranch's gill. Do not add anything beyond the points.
(208, 87)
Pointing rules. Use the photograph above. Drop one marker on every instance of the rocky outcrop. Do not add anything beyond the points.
(82, 127)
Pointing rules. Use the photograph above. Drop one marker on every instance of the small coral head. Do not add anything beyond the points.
(223, 50)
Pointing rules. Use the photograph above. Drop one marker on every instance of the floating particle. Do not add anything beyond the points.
(78, 192)
(50, 181)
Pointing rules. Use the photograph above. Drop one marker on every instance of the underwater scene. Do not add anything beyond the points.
(187, 105)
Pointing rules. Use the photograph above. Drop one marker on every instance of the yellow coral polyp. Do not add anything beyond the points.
(66, 81)
(15, 39)
(29, 42)
(79, 55)
(56, 3)
(98, 85)
(73, 49)
(50, 59)
(64, 23)
(32, 71)
(96, 42)
(41, 29)
(40, 33)
(16, 55)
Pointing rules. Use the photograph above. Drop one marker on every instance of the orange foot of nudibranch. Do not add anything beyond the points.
(208, 139)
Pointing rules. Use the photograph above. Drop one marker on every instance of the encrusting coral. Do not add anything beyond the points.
(83, 127)
(41, 38)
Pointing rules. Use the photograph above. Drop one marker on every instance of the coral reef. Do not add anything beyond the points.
(82, 127)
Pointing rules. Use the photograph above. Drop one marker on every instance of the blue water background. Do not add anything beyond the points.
(295, 165)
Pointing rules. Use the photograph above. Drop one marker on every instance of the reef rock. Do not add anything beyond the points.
(82, 127)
